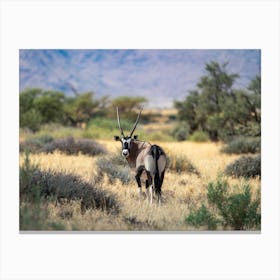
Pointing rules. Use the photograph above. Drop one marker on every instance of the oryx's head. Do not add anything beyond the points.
(126, 140)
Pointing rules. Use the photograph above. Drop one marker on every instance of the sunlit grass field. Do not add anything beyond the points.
(181, 192)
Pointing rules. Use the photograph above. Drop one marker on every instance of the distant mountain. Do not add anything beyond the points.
(159, 75)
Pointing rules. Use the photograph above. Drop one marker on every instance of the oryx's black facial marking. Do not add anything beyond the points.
(126, 145)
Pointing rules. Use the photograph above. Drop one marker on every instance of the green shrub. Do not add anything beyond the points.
(199, 136)
(181, 131)
(202, 217)
(180, 164)
(243, 145)
(238, 210)
(246, 166)
(70, 146)
(116, 167)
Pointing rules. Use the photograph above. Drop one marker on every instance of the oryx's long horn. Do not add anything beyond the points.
(119, 123)
(136, 122)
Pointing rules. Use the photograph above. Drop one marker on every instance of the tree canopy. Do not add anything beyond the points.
(219, 109)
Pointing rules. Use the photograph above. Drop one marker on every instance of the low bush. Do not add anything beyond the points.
(238, 209)
(181, 164)
(246, 166)
(116, 167)
(202, 217)
(36, 184)
(199, 136)
(71, 146)
(35, 144)
(181, 131)
(33, 205)
(243, 145)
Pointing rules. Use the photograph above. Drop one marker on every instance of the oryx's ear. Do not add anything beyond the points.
(135, 137)
(117, 138)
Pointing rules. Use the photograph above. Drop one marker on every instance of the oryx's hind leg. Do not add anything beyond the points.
(158, 185)
(138, 180)
(149, 187)
(158, 195)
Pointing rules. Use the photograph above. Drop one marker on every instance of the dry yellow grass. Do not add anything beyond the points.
(181, 192)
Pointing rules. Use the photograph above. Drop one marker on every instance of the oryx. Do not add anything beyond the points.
(143, 157)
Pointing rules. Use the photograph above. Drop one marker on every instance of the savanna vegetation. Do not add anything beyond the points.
(72, 176)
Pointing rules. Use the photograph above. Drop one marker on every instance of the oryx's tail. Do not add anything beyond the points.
(159, 158)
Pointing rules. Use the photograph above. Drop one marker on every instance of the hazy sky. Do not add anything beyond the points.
(160, 75)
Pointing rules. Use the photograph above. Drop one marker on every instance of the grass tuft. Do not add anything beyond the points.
(181, 164)
(115, 167)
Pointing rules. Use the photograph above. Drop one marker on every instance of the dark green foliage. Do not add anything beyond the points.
(238, 210)
(246, 166)
(181, 131)
(187, 110)
(202, 217)
(38, 107)
(181, 164)
(31, 119)
(218, 109)
(50, 106)
(116, 167)
(36, 185)
(83, 107)
(243, 145)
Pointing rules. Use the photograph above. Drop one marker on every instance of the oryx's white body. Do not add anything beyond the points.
(144, 157)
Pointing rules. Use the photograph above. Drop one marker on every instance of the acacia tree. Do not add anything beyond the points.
(83, 107)
(38, 106)
(187, 110)
(217, 108)
(50, 106)
(127, 106)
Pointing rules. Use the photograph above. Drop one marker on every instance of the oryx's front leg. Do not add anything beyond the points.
(138, 180)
